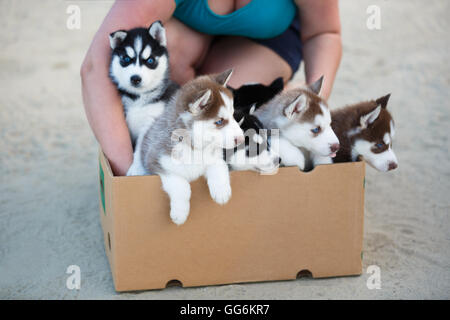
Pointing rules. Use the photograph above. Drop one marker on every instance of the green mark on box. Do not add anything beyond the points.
(364, 183)
(102, 186)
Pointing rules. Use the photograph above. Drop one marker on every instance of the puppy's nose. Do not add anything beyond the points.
(392, 166)
(135, 80)
(239, 140)
(334, 147)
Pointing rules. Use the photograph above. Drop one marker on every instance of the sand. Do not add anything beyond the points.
(48, 158)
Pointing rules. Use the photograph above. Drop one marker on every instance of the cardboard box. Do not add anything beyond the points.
(273, 228)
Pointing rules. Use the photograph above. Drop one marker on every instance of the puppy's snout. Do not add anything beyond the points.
(238, 140)
(135, 80)
(392, 165)
(334, 147)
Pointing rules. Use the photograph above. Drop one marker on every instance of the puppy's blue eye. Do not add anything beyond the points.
(315, 130)
(150, 60)
(126, 59)
(379, 145)
(219, 122)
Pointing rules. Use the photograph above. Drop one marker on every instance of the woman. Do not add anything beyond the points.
(308, 29)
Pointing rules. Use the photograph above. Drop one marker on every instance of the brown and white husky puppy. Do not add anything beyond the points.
(187, 142)
(304, 121)
(365, 130)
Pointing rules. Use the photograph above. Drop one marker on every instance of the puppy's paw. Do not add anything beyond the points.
(135, 170)
(179, 215)
(301, 163)
(221, 193)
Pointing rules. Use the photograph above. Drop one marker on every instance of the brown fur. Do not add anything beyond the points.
(313, 101)
(195, 89)
(348, 118)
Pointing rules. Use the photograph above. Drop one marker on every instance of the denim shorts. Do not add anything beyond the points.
(287, 45)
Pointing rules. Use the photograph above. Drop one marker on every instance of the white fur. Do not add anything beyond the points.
(391, 125)
(139, 117)
(291, 155)
(179, 191)
(158, 32)
(146, 53)
(138, 44)
(379, 161)
(265, 162)
(370, 117)
(151, 78)
(300, 135)
(198, 153)
(205, 132)
(180, 173)
(137, 168)
(130, 52)
(116, 38)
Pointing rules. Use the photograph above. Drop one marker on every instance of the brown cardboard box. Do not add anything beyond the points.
(273, 228)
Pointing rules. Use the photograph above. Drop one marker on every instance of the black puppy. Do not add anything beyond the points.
(255, 94)
(256, 154)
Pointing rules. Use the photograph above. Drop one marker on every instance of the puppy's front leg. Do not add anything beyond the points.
(291, 155)
(179, 191)
(218, 178)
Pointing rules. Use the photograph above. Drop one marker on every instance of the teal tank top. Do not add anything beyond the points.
(259, 19)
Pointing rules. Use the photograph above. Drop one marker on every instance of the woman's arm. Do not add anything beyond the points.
(321, 37)
(102, 104)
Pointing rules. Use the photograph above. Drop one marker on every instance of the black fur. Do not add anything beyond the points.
(157, 51)
(245, 98)
(255, 94)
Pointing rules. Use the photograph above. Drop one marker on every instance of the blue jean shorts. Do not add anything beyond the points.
(287, 45)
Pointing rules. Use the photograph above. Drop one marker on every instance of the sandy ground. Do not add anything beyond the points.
(48, 158)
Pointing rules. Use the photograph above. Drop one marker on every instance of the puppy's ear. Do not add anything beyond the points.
(316, 87)
(299, 105)
(252, 109)
(200, 103)
(158, 33)
(370, 117)
(116, 38)
(277, 85)
(383, 101)
(224, 77)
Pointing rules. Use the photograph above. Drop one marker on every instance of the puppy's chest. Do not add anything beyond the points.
(188, 162)
(139, 116)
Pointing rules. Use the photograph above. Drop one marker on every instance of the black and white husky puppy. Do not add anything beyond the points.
(259, 153)
(140, 70)
(187, 142)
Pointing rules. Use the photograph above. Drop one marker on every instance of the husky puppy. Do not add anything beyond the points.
(365, 130)
(304, 121)
(140, 70)
(257, 153)
(187, 142)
